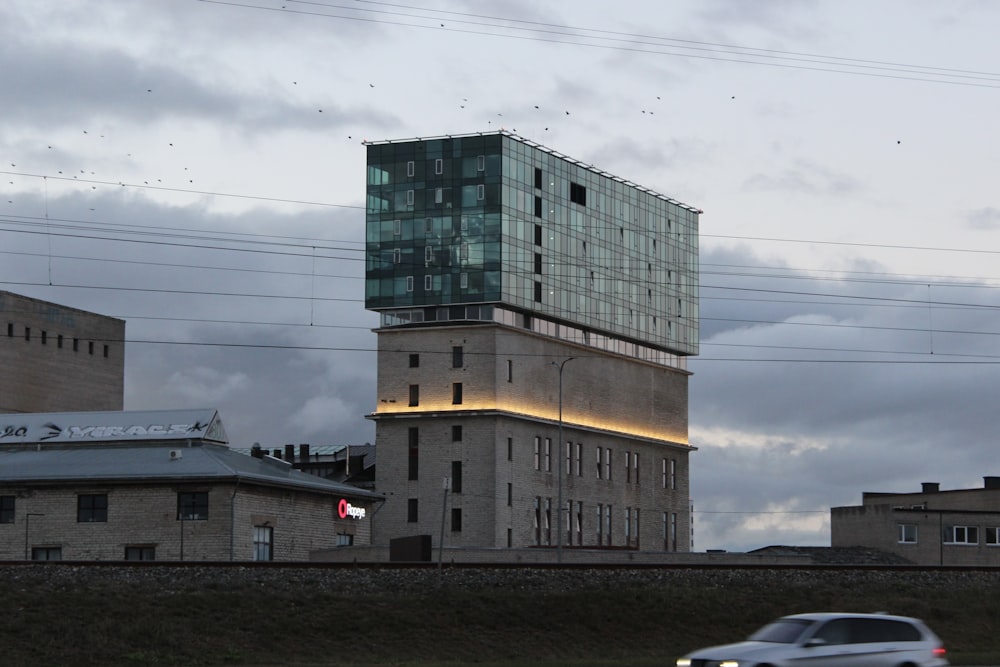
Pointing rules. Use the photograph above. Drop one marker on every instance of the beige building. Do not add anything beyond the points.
(536, 317)
(932, 527)
(55, 358)
(162, 485)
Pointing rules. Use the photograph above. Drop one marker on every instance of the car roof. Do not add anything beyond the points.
(829, 615)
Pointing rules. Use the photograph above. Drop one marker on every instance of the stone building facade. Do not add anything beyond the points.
(932, 527)
(55, 358)
(524, 295)
(162, 485)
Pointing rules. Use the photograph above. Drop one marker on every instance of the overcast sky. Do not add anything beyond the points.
(197, 168)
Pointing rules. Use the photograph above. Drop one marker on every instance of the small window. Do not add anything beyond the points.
(456, 433)
(414, 361)
(993, 536)
(438, 166)
(428, 283)
(578, 194)
(410, 168)
(414, 395)
(456, 520)
(46, 553)
(76, 344)
(538, 292)
(411, 510)
(27, 333)
(456, 476)
(463, 280)
(92, 508)
(538, 263)
(397, 227)
(480, 163)
(456, 393)
(429, 226)
(428, 253)
(438, 195)
(413, 450)
(90, 347)
(10, 330)
(45, 338)
(7, 509)
(397, 256)
(538, 178)
(480, 192)
(510, 494)
(345, 539)
(263, 540)
(510, 370)
(192, 506)
(510, 449)
(538, 207)
(409, 283)
(409, 197)
(538, 235)
(907, 533)
(59, 341)
(140, 553)
(457, 356)
(105, 351)
(961, 535)
(538, 453)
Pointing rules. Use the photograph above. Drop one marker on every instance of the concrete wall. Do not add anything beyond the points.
(510, 397)
(59, 359)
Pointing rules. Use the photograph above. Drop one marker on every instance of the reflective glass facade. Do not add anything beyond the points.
(493, 227)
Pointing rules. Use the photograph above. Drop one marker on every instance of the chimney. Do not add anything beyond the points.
(991, 483)
(304, 452)
(277, 453)
(290, 453)
(930, 487)
(256, 451)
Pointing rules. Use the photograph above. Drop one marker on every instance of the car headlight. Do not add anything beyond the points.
(729, 663)
(683, 662)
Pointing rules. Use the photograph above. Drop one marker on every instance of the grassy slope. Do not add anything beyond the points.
(281, 623)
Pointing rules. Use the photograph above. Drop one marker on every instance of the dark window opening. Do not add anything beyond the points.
(456, 393)
(538, 178)
(92, 507)
(192, 506)
(45, 338)
(46, 553)
(456, 476)
(456, 520)
(414, 361)
(27, 333)
(140, 553)
(414, 394)
(538, 292)
(76, 344)
(538, 263)
(105, 351)
(414, 453)
(10, 329)
(7, 509)
(457, 356)
(90, 347)
(538, 207)
(411, 510)
(578, 194)
(538, 235)
(456, 433)
(59, 341)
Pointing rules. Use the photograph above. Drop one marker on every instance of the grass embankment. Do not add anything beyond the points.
(88, 621)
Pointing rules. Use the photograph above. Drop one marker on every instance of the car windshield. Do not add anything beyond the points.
(784, 631)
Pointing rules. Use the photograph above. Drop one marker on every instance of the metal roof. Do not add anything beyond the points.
(152, 463)
(118, 426)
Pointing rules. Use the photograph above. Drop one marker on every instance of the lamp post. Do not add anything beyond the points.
(559, 460)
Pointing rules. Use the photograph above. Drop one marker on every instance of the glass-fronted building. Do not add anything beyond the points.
(493, 261)
(494, 227)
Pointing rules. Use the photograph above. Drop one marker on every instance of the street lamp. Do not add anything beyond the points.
(559, 460)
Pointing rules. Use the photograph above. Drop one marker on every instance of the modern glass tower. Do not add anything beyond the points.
(492, 261)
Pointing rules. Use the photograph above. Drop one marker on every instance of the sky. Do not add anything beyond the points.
(197, 168)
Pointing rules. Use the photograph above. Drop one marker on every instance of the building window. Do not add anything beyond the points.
(10, 330)
(438, 166)
(628, 526)
(578, 194)
(510, 494)
(46, 553)
(45, 338)
(428, 283)
(600, 524)
(438, 195)
(105, 351)
(607, 525)
(92, 507)
(27, 333)
(414, 395)
(140, 553)
(414, 361)
(538, 207)
(456, 476)
(456, 393)
(673, 531)
(480, 163)
(607, 463)
(548, 454)
(263, 540)
(538, 520)
(548, 521)
(192, 506)
(397, 227)
(510, 370)
(538, 235)
(993, 535)
(538, 292)
(510, 449)
(345, 539)
(456, 519)
(579, 459)
(409, 197)
(568, 465)
(397, 256)
(538, 178)
(538, 453)
(480, 192)
(411, 510)
(413, 435)
(628, 469)
(59, 341)
(463, 281)
(456, 433)
(635, 526)
(907, 533)
(90, 347)
(410, 168)
(7, 509)
(457, 357)
(538, 263)
(635, 466)
(600, 468)
(76, 344)
(409, 283)
(961, 535)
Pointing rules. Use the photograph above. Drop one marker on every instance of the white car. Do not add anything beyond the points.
(829, 640)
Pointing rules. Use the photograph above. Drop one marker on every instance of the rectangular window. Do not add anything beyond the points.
(538, 292)
(635, 526)
(411, 510)
(456, 433)
(263, 540)
(538, 235)
(992, 535)
(510, 449)
(510, 494)
(409, 197)
(463, 280)
(414, 395)
(480, 192)
(409, 283)
(438, 195)
(91, 507)
(538, 207)
(410, 168)
(579, 459)
(45, 338)
(428, 283)
(140, 553)
(192, 506)
(456, 519)
(428, 254)
(456, 393)
(7, 509)
(90, 347)
(413, 452)
(10, 330)
(907, 533)
(673, 531)
(538, 178)
(548, 521)
(628, 469)
(538, 263)
(27, 333)
(600, 524)
(46, 553)
(456, 476)
(961, 535)
(538, 520)
(438, 166)
(628, 526)
(414, 361)
(397, 227)
(480, 163)
(457, 356)
(397, 256)
(548, 454)
(538, 453)
(607, 525)
(578, 194)
(76, 344)
(568, 455)
(344, 539)
(600, 468)
(578, 523)
(510, 370)
(635, 466)
(105, 351)
(607, 463)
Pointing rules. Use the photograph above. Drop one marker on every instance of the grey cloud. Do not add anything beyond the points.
(807, 178)
(987, 218)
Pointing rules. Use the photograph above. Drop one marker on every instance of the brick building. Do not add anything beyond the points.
(161, 485)
(528, 300)
(56, 358)
(933, 527)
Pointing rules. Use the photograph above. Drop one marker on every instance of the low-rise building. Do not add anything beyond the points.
(932, 527)
(161, 485)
